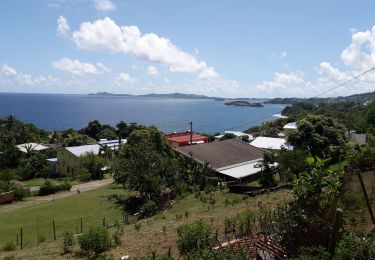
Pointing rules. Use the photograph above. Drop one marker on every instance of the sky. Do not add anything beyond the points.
(241, 48)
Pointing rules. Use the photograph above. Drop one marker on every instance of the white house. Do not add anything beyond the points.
(270, 143)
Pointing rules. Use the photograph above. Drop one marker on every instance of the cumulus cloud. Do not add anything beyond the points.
(104, 5)
(327, 70)
(27, 80)
(62, 27)
(152, 70)
(124, 78)
(79, 68)
(279, 56)
(105, 34)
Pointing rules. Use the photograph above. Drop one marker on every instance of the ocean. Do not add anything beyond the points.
(60, 111)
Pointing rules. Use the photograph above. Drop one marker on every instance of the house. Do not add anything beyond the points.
(231, 158)
(360, 139)
(270, 143)
(183, 139)
(236, 133)
(27, 147)
(68, 158)
(290, 126)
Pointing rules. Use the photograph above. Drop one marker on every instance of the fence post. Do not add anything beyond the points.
(17, 239)
(37, 228)
(366, 197)
(104, 222)
(335, 232)
(54, 229)
(21, 238)
(81, 226)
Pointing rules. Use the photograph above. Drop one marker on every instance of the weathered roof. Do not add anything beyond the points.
(291, 125)
(270, 143)
(358, 138)
(221, 154)
(53, 160)
(84, 149)
(185, 137)
(113, 144)
(236, 133)
(31, 146)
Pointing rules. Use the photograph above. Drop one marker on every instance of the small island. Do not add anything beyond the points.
(239, 103)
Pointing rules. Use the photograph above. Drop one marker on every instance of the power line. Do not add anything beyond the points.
(325, 92)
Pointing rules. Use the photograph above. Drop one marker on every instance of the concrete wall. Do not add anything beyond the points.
(67, 163)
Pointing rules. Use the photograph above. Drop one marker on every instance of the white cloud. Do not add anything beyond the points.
(327, 70)
(152, 70)
(360, 54)
(124, 78)
(288, 78)
(27, 80)
(79, 68)
(279, 56)
(105, 34)
(104, 5)
(62, 26)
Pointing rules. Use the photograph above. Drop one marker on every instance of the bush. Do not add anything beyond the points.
(50, 188)
(194, 237)
(149, 209)
(68, 242)
(20, 194)
(9, 246)
(95, 241)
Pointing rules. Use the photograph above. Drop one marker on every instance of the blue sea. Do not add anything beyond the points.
(58, 112)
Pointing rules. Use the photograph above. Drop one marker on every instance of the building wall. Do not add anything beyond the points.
(68, 164)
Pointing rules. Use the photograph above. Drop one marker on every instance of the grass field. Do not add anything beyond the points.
(92, 206)
(155, 233)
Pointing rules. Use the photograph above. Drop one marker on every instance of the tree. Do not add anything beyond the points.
(92, 164)
(107, 134)
(267, 175)
(147, 164)
(92, 129)
(228, 136)
(122, 130)
(370, 113)
(317, 134)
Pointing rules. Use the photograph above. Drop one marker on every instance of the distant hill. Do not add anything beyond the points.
(171, 95)
(354, 98)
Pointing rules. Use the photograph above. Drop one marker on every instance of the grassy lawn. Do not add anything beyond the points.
(92, 206)
(155, 233)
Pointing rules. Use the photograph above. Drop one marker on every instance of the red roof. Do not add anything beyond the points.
(185, 137)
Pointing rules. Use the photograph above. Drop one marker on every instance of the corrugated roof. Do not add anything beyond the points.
(270, 143)
(291, 125)
(84, 149)
(242, 170)
(185, 137)
(31, 146)
(221, 154)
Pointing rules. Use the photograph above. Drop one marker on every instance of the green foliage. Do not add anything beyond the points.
(227, 136)
(92, 164)
(291, 163)
(195, 237)
(363, 159)
(269, 129)
(107, 134)
(68, 242)
(314, 253)
(242, 224)
(317, 134)
(50, 188)
(245, 138)
(9, 246)
(147, 164)
(267, 175)
(149, 209)
(95, 241)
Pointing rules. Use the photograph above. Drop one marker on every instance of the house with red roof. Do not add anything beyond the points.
(184, 139)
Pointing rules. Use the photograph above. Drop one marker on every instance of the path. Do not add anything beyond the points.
(82, 187)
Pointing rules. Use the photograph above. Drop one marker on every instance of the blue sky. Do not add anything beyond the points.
(218, 48)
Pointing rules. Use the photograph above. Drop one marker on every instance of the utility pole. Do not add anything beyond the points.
(191, 133)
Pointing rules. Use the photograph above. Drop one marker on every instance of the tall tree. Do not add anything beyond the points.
(317, 134)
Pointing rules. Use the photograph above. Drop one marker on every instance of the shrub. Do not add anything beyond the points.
(50, 188)
(194, 237)
(68, 242)
(149, 209)
(9, 246)
(20, 194)
(42, 238)
(95, 241)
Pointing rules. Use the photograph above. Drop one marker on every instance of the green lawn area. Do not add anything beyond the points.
(92, 206)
